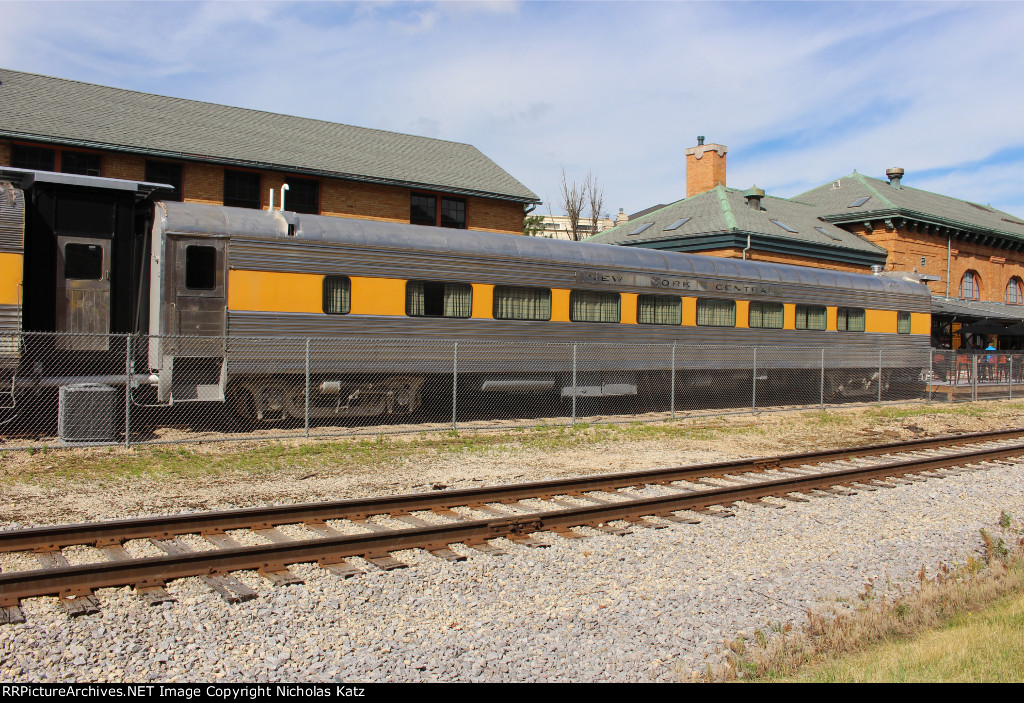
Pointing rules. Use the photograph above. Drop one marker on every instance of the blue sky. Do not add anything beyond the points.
(801, 93)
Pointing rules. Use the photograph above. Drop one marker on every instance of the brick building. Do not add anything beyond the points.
(717, 220)
(971, 256)
(233, 156)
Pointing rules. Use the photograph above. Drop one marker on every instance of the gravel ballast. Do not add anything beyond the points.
(655, 605)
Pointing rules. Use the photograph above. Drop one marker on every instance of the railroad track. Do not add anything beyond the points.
(435, 521)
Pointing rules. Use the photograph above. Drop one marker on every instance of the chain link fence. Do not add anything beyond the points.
(80, 390)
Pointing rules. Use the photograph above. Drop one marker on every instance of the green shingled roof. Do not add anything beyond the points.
(721, 217)
(56, 110)
(833, 201)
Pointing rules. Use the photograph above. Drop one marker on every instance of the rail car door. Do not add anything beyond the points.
(83, 293)
(194, 358)
(200, 291)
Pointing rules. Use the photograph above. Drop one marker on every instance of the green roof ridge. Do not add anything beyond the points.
(864, 182)
(612, 229)
(730, 219)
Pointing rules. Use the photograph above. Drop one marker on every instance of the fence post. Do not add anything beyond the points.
(574, 384)
(307, 387)
(128, 391)
(821, 397)
(753, 396)
(672, 405)
(974, 376)
(879, 376)
(1009, 377)
(931, 373)
(455, 385)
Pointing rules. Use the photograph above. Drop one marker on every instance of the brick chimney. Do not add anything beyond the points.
(705, 167)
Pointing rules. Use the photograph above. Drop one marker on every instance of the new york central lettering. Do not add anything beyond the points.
(696, 285)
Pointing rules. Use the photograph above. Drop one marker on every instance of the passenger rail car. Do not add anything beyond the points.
(209, 286)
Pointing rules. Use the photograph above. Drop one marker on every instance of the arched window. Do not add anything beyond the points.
(970, 286)
(1014, 292)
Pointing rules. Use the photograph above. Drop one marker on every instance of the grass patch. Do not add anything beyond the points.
(48, 466)
(963, 624)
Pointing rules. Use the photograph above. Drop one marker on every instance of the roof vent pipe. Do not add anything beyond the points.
(753, 196)
(877, 269)
(283, 189)
(895, 174)
(271, 208)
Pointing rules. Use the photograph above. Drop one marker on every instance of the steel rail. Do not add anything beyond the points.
(151, 571)
(111, 532)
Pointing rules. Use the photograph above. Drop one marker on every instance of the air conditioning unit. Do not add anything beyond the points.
(85, 413)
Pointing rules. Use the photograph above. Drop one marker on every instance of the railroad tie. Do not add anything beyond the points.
(681, 520)
(340, 566)
(75, 604)
(11, 614)
(382, 560)
(224, 585)
(153, 595)
(279, 576)
(439, 552)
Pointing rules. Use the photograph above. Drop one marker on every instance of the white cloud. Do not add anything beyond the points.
(801, 93)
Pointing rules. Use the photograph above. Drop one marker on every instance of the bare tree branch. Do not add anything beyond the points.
(573, 201)
(595, 199)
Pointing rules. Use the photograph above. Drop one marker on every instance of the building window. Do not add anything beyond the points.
(438, 299)
(766, 315)
(594, 306)
(168, 174)
(200, 268)
(453, 213)
(519, 303)
(1014, 292)
(337, 295)
(423, 210)
(659, 310)
(712, 312)
(33, 157)
(850, 319)
(970, 286)
(80, 163)
(810, 317)
(903, 323)
(241, 189)
(303, 195)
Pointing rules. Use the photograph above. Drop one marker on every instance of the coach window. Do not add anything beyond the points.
(594, 306)
(168, 174)
(659, 310)
(438, 299)
(200, 268)
(303, 195)
(712, 312)
(337, 295)
(521, 303)
(33, 157)
(241, 189)
(810, 317)
(850, 319)
(766, 315)
(80, 163)
(903, 323)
